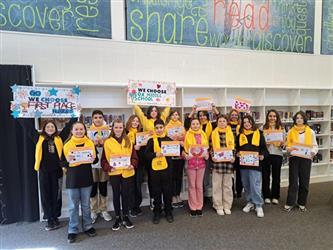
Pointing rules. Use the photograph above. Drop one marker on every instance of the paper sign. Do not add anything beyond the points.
(273, 136)
(301, 150)
(97, 134)
(142, 138)
(176, 132)
(249, 158)
(170, 148)
(151, 93)
(198, 150)
(120, 161)
(81, 155)
(241, 105)
(223, 155)
(205, 104)
(36, 102)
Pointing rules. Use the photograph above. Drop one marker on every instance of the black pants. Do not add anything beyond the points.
(237, 184)
(272, 164)
(299, 180)
(49, 191)
(121, 187)
(137, 192)
(161, 182)
(102, 187)
(177, 176)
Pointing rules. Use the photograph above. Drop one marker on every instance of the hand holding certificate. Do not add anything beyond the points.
(81, 156)
(301, 150)
(170, 148)
(120, 161)
(223, 155)
(249, 158)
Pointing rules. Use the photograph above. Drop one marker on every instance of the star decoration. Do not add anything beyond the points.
(53, 91)
(14, 88)
(16, 114)
(76, 90)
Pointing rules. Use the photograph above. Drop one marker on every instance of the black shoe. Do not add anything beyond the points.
(56, 222)
(127, 223)
(50, 225)
(193, 213)
(133, 213)
(207, 200)
(199, 213)
(138, 211)
(117, 223)
(181, 204)
(156, 217)
(169, 217)
(71, 238)
(91, 232)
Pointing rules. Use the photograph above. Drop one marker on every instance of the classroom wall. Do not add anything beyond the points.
(74, 60)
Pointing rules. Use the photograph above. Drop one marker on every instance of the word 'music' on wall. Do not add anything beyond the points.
(327, 28)
(64, 17)
(278, 25)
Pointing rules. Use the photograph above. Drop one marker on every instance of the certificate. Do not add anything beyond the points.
(81, 156)
(204, 104)
(120, 161)
(301, 150)
(98, 134)
(272, 136)
(170, 148)
(176, 131)
(249, 158)
(198, 150)
(223, 155)
(142, 138)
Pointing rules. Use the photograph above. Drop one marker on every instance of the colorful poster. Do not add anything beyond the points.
(176, 132)
(327, 28)
(249, 158)
(170, 148)
(301, 150)
(276, 25)
(205, 104)
(241, 105)
(223, 155)
(198, 150)
(151, 93)
(272, 136)
(81, 155)
(142, 138)
(50, 102)
(120, 161)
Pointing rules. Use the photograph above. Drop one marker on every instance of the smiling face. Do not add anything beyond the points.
(234, 116)
(159, 129)
(272, 118)
(247, 124)
(118, 129)
(195, 125)
(202, 117)
(98, 120)
(50, 129)
(154, 113)
(299, 120)
(175, 116)
(78, 130)
(222, 122)
(135, 122)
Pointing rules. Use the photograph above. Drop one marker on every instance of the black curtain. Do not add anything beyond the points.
(18, 180)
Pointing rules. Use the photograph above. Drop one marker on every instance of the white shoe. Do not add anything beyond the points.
(267, 201)
(106, 216)
(249, 206)
(94, 217)
(260, 212)
(275, 201)
(220, 211)
(227, 211)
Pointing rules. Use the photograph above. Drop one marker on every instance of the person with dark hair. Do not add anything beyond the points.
(122, 179)
(251, 142)
(161, 173)
(300, 167)
(98, 197)
(273, 161)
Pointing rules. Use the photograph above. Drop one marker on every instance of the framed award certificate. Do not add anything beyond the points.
(301, 150)
(170, 148)
(81, 155)
(142, 138)
(272, 136)
(120, 161)
(97, 134)
(176, 131)
(223, 155)
(249, 158)
(198, 150)
(204, 104)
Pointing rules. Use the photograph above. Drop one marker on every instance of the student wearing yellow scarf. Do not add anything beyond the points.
(161, 173)
(98, 197)
(222, 138)
(273, 161)
(300, 168)
(79, 181)
(251, 140)
(178, 162)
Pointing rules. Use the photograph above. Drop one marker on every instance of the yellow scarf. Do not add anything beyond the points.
(190, 139)
(230, 140)
(158, 163)
(72, 144)
(237, 127)
(255, 137)
(293, 135)
(113, 147)
(172, 124)
(208, 129)
(132, 135)
(39, 149)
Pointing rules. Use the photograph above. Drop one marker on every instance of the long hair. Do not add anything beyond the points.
(205, 113)
(43, 133)
(251, 120)
(150, 109)
(171, 113)
(220, 116)
(129, 123)
(278, 124)
(232, 111)
(123, 134)
(71, 134)
(305, 119)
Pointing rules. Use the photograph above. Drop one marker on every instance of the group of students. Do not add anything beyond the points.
(87, 185)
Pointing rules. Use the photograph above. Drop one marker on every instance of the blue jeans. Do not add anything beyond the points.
(75, 197)
(251, 180)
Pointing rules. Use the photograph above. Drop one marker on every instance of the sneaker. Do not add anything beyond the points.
(260, 212)
(193, 213)
(156, 217)
(249, 206)
(199, 213)
(227, 211)
(71, 238)
(287, 208)
(151, 204)
(181, 204)
(133, 213)
(50, 226)
(302, 208)
(169, 217)
(106, 216)
(117, 223)
(220, 211)
(175, 205)
(275, 201)
(94, 217)
(91, 232)
(267, 201)
(127, 223)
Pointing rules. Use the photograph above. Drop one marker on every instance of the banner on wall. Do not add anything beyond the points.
(277, 25)
(47, 102)
(151, 93)
(62, 17)
(327, 28)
